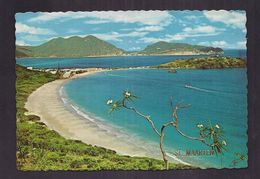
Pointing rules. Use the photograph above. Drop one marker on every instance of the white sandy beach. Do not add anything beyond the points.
(46, 103)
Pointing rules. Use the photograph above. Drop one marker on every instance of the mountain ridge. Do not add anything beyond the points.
(91, 46)
(74, 46)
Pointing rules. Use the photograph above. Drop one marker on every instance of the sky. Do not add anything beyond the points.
(134, 30)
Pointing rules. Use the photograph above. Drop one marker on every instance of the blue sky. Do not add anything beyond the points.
(134, 30)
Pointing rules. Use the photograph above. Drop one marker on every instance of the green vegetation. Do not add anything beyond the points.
(71, 47)
(39, 148)
(91, 46)
(173, 48)
(212, 62)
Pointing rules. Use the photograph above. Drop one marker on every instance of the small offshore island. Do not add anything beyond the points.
(211, 62)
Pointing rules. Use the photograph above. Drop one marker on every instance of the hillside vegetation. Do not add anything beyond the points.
(212, 62)
(179, 48)
(39, 148)
(91, 46)
(70, 47)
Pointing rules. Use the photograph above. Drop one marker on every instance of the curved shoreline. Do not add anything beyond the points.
(47, 103)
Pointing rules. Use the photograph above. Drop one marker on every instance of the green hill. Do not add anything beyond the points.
(22, 52)
(91, 46)
(212, 62)
(70, 47)
(165, 48)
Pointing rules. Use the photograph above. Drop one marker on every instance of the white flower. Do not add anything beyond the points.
(200, 126)
(127, 94)
(217, 126)
(109, 102)
(224, 142)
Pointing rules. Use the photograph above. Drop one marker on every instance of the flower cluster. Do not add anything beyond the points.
(200, 126)
(110, 101)
(126, 96)
(213, 135)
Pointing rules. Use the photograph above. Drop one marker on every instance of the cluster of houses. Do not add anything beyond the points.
(65, 73)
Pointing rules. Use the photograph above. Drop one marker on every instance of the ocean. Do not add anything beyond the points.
(218, 96)
(111, 62)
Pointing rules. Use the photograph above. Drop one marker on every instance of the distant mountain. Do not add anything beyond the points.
(70, 47)
(22, 52)
(91, 46)
(166, 48)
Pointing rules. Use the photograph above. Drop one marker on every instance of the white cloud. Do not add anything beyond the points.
(31, 38)
(162, 18)
(112, 36)
(134, 48)
(236, 19)
(126, 29)
(241, 45)
(191, 17)
(45, 16)
(96, 22)
(188, 32)
(200, 29)
(21, 42)
(152, 39)
(176, 37)
(220, 43)
(150, 28)
(134, 34)
(23, 28)
(224, 44)
(73, 31)
(115, 36)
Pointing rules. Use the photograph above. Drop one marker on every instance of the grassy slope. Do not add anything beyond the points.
(164, 47)
(70, 47)
(205, 63)
(91, 46)
(39, 148)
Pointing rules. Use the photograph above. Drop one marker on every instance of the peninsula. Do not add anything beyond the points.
(211, 62)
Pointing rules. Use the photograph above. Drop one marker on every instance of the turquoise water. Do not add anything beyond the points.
(102, 62)
(218, 95)
(110, 62)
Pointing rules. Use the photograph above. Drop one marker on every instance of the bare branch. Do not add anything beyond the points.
(176, 123)
(127, 96)
(148, 118)
(161, 144)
